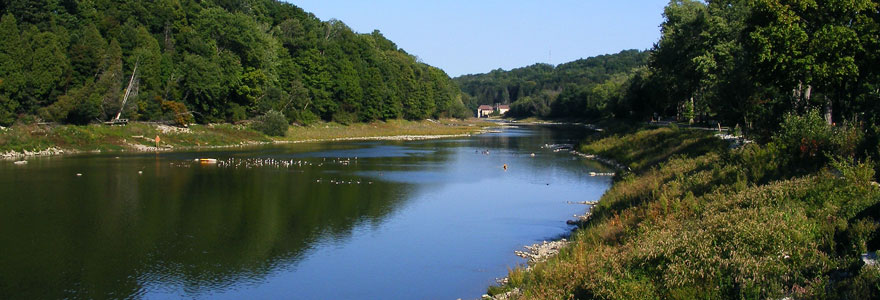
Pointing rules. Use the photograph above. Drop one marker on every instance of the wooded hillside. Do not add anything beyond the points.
(584, 88)
(211, 61)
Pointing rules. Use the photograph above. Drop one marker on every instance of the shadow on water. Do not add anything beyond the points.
(201, 227)
(162, 225)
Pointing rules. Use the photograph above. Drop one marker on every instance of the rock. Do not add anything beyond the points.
(504, 296)
(579, 220)
(542, 251)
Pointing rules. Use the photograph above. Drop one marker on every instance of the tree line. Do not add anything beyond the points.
(205, 61)
(751, 62)
(738, 62)
(584, 88)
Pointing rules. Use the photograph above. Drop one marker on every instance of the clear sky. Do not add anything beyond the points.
(477, 36)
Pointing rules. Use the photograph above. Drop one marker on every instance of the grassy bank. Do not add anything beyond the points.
(697, 220)
(141, 136)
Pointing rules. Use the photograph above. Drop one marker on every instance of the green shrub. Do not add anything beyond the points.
(461, 112)
(760, 164)
(272, 123)
(303, 117)
(236, 112)
(806, 143)
(85, 112)
(848, 141)
(803, 142)
(345, 118)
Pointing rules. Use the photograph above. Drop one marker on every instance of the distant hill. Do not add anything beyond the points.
(214, 60)
(546, 81)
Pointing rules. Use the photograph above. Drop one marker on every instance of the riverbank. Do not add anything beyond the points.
(41, 140)
(697, 219)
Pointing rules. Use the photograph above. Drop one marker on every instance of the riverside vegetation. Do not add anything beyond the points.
(14, 141)
(206, 65)
(698, 220)
(788, 216)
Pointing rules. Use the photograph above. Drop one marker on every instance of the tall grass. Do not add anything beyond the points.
(698, 221)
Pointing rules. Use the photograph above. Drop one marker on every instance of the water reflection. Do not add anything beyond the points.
(423, 219)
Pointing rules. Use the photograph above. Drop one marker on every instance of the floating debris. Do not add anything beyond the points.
(20, 162)
(140, 172)
(79, 174)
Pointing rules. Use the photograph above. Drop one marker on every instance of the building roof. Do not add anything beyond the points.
(485, 107)
(503, 106)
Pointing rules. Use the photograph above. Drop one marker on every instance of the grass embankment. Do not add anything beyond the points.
(696, 220)
(139, 136)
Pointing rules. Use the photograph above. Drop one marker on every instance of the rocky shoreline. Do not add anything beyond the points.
(51, 151)
(541, 252)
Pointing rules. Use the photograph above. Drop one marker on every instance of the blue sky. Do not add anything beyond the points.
(477, 36)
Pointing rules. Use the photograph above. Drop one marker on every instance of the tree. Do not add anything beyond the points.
(226, 61)
(10, 69)
(675, 59)
(808, 46)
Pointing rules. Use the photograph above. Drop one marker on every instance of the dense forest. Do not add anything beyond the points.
(585, 88)
(737, 62)
(752, 62)
(207, 61)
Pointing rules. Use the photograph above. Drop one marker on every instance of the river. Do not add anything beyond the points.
(431, 219)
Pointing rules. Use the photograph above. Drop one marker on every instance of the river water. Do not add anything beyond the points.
(434, 219)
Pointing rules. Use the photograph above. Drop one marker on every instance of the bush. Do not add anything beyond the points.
(760, 164)
(803, 141)
(85, 112)
(177, 112)
(304, 117)
(345, 118)
(806, 142)
(236, 113)
(272, 123)
(461, 112)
